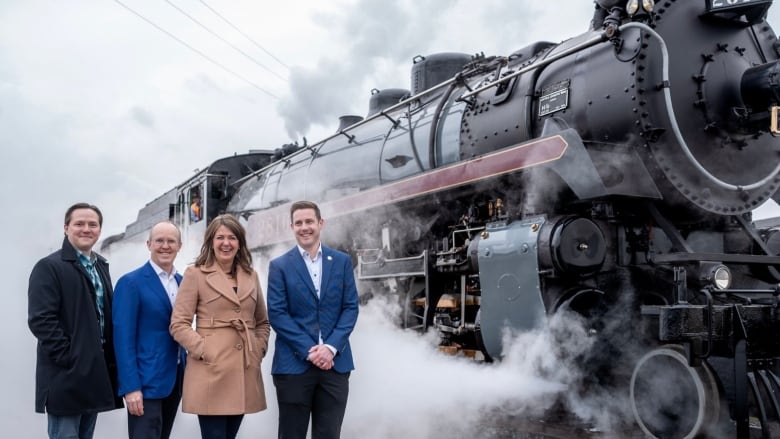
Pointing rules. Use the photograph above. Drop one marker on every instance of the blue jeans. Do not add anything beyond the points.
(72, 427)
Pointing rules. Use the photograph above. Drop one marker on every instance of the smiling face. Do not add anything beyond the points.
(83, 229)
(164, 244)
(225, 245)
(306, 228)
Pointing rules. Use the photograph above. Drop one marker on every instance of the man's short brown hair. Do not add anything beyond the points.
(300, 205)
(69, 212)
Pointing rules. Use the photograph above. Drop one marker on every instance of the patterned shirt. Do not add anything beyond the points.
(89, 265)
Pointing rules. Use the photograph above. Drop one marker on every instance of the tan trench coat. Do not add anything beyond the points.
(228, 343)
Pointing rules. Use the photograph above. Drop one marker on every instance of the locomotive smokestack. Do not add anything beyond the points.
(760, 86)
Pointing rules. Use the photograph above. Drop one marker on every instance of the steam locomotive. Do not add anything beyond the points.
(612, 174)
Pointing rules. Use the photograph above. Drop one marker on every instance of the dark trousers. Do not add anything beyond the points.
(316, 394)
(157, 420)
(219, 426)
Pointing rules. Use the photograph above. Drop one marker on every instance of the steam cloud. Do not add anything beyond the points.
(403, 386)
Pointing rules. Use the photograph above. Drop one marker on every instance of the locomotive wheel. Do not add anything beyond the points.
(669, 398)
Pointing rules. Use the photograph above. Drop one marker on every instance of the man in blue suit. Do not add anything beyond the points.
(313, 307)
(150, 363)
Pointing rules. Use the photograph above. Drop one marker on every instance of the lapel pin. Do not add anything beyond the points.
(330, 258)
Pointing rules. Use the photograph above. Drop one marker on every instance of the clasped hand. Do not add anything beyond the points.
(321, 357)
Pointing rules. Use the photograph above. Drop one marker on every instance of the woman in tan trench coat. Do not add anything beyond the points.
(222, 379)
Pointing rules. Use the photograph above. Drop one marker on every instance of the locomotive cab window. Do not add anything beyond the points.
(196, 204)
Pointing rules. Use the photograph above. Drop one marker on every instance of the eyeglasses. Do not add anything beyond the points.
(159, 242)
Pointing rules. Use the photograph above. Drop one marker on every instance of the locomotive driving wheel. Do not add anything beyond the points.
(671, 399)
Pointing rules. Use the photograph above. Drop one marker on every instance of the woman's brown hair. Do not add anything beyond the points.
(207, 257)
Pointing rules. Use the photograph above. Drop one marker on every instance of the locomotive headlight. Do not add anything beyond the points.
(717, 275)
(722, 278)
(632, 7)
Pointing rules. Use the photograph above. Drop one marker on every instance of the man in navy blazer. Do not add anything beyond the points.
(312, 307)
(150, 363)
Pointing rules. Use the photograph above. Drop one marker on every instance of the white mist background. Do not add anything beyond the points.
(97, 105)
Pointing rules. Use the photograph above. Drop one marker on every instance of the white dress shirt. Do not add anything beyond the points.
(168, 281)
(314, 266)
(315, 272)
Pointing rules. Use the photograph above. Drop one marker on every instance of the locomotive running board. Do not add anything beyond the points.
(373, 265)
(666, 258)
(272, 225)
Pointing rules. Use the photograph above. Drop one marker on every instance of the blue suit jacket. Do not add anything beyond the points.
(298, 316)
(146, 353)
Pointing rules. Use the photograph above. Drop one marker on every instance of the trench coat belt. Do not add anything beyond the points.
(243, 327)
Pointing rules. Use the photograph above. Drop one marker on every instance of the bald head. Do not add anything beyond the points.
(164, 244)
(164, 225)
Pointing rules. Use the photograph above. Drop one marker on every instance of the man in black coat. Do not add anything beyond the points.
(69, 312)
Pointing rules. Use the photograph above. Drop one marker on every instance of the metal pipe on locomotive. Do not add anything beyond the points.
(616, 170)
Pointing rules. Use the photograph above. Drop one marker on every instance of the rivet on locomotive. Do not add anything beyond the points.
(611, 174)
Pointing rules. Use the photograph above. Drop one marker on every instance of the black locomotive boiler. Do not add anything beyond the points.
(612, 174)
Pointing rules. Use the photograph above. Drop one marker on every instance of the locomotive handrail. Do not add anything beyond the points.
(667, 98)
(676, 128)
(584, 45)
(384, 112)
(588, 43)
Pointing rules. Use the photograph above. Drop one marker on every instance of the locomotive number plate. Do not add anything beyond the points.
(554, 101)
(715, 5)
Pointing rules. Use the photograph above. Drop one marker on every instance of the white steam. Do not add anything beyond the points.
(404, 387)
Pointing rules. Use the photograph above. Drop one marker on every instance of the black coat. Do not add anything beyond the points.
(75, 372)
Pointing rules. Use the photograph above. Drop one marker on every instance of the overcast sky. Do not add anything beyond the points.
(98, 104)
